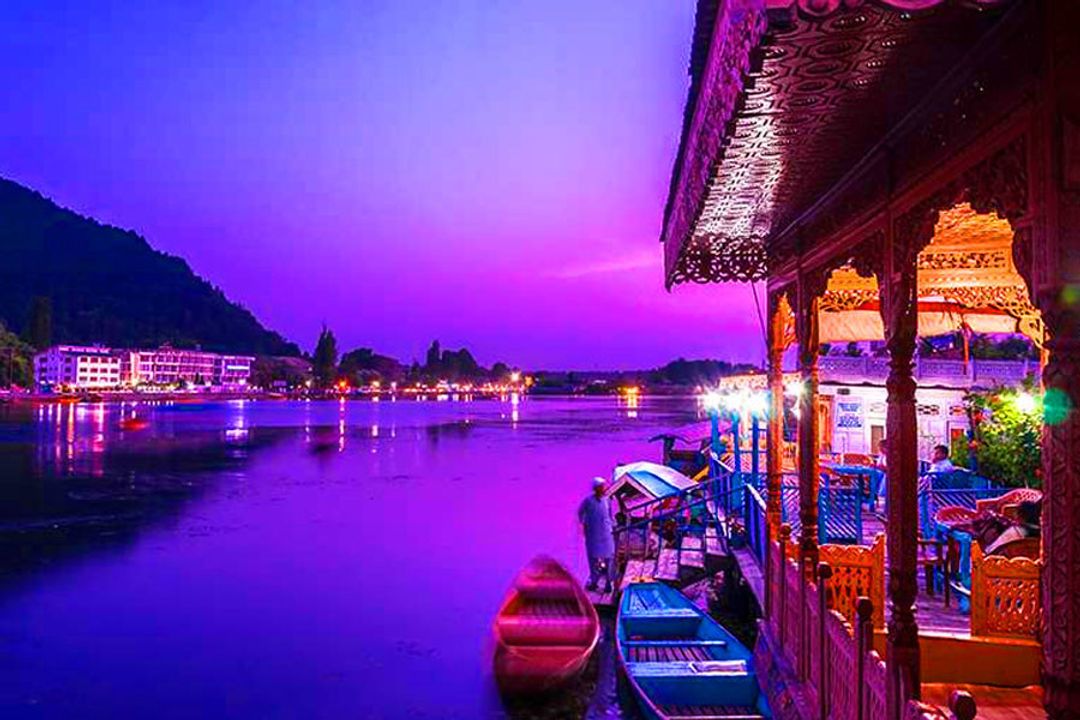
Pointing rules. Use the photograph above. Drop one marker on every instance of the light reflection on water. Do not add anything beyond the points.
(285, 559)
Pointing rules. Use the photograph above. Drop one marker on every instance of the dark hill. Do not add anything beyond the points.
(109, 286)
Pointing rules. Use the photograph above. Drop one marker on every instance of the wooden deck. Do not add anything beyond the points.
(993, 703)
(931, 613)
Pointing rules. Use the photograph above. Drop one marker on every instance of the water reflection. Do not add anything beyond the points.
(286, 559)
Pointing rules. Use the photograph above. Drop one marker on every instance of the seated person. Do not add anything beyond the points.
(1026, 527)
(882, 456)
(939, 461)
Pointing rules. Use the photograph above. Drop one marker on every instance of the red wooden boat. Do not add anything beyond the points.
(134, 423)
(545, 631)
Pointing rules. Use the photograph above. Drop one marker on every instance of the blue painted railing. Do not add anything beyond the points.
(932, 499)
(840, 513)
(757, 529)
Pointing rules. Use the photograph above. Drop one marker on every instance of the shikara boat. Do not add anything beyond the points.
(545, 631)
(681, 663)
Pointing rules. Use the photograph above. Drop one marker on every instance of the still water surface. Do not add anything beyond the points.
(286, 559)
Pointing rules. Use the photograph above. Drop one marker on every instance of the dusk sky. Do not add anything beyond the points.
(488, 173)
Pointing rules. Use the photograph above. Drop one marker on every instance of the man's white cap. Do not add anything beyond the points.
(598, 481)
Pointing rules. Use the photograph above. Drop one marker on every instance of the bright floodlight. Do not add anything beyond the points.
(1025, 402)
(757, 404)
(794, 389)
(712, 400)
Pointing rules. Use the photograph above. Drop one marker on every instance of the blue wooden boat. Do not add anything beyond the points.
(681, 663)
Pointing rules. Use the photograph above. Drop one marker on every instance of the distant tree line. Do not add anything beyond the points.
(326, 367)
(677, 374)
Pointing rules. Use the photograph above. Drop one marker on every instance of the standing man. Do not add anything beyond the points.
(594, 514)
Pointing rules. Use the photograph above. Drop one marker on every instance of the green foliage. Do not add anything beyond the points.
(1010, 348)
(959, 452)
(109, 286)
(324, 360)
(1007, 435)
(38, 331)
(364, 365)
(434, 355)
(267, 370)
(16, 360)
(702, 373)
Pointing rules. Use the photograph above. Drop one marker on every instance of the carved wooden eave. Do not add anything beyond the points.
(786, 97)
(966, 276)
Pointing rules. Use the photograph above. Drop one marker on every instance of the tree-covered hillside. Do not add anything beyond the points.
(106, 285)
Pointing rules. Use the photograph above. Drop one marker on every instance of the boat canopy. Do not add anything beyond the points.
(651, 479)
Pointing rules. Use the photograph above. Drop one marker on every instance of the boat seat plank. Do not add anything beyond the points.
(710, 712)
(666, 612)
(674, 668)
(669, 654)
(676, 642)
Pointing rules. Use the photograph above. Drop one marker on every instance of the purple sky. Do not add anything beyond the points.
(490, 173)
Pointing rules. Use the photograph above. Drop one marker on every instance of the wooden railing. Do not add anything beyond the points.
(830, 652)
(831, 656)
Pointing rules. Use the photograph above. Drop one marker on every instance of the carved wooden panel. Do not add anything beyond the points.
(1004, 596)
(857, 571)
(788, 127)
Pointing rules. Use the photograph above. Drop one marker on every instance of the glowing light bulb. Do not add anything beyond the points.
(1025, 402)
(712, 401)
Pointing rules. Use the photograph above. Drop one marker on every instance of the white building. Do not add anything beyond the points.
(173, 366)
(76, 366)
(73, 367)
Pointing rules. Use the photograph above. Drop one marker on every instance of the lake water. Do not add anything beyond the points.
(271, 559)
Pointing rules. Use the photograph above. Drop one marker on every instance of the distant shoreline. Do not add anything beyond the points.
(203, 397)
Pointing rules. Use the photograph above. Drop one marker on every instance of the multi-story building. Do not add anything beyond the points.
(173, 366)
(100, 367)
(76, 366)
(232, 369)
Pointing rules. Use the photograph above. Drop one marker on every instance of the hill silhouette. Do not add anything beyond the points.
(109, 286)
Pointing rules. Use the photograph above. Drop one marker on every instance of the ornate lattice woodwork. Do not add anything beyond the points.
(1004, 596)
(780, 108)
(857, 571)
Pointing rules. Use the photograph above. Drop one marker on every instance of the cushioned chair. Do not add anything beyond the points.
(1025, 547)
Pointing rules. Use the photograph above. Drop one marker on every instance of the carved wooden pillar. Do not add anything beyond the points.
(806, 328)
(1061, 511)
(900, 315)
(776, 415)
(1054, 274)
